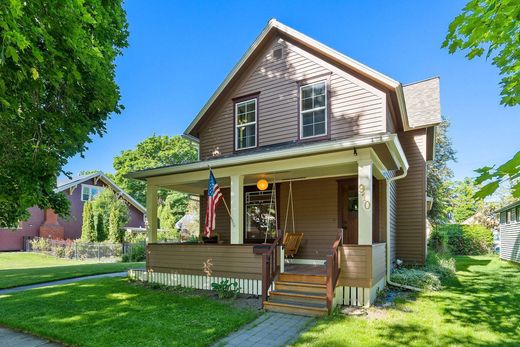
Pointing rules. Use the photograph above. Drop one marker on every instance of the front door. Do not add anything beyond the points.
(348, 210)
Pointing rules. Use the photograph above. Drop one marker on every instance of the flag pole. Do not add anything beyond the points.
(225, 204)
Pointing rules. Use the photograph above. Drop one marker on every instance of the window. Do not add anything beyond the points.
(245, 121)
(518, 213)
(508, 216)
(260, 216)
(313, 110)
(89, 192)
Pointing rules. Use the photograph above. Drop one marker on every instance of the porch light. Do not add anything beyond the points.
(262, 184)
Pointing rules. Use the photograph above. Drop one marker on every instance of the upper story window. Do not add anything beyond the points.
(518, 213)
(89, 192)
(313, 110)
(508, 216)
(245, 122)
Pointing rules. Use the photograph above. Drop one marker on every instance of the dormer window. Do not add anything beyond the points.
(313, 110)
(245, 124)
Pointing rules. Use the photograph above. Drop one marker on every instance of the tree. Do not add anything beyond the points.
(101, 231)
(439, 175)
(57, 89)
(88, 228)
(492, 27)
(154, 151)
(102, 205)
(172, 209)
(115, 227)
(463, 202)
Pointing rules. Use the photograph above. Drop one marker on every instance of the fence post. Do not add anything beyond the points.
(76, 250)
(98, 249)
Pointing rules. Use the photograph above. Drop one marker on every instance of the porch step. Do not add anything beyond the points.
(298, 297)
(289, 277)
(295, 308)
(301, 287)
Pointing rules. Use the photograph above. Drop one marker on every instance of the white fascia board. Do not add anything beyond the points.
(76, 182)
(321, 147)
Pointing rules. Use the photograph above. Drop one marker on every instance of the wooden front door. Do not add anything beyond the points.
(348, 210)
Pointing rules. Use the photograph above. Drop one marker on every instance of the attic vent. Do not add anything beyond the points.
(278, 53)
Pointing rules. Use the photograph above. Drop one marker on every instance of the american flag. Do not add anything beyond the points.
(214, 196)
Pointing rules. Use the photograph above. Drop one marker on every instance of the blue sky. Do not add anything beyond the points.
(180, 51)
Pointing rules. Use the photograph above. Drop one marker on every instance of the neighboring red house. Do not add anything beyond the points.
(48, 224)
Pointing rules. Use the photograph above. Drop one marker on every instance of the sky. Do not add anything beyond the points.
(180, 51)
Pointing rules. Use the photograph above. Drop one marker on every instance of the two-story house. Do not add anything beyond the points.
(344, 151)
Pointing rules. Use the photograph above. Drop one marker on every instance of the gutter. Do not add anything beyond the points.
(388, 269)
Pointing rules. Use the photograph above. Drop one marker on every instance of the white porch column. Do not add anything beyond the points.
(365, 202)
(151, 212)
(237, 209)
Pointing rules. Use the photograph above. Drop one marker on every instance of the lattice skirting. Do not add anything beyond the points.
(357, 296)
(253, 287)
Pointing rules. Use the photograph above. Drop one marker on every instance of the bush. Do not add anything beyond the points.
(138, 253)
(226, 289)
(441, 265)
(460, 239)
(417, 277)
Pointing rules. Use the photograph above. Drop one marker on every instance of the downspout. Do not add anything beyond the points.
(388, 268)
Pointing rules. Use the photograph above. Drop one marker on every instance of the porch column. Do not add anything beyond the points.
(365, 202)
(151, 212)
(237, 209)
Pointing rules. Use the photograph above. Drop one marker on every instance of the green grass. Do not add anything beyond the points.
(479, 307)
(113, 312)
(20, 268)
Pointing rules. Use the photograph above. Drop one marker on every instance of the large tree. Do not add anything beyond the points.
(154, 151)
(439, 175)
(492, 28)
(462, 201)
(57, 89)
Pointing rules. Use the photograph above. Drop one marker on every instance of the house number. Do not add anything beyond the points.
(362, 191)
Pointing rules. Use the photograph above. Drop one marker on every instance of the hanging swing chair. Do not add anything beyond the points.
(291, 241)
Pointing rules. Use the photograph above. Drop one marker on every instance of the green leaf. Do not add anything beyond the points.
(34, 73)
(487, 190)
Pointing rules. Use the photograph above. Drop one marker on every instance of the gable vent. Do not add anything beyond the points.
(277, 53)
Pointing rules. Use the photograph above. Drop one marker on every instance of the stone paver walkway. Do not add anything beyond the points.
(10, 338)
(271, 329)
(65, 281)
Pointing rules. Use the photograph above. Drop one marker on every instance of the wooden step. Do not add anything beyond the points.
(291, 308)
(289, 277)
(299, 287)
(298, 297)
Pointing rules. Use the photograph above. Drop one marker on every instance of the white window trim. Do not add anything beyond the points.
(245, 124)
(314, 109)
(90, 186)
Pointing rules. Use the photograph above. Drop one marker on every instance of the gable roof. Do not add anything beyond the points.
(423, 103)
(273, 27)
(66, 184)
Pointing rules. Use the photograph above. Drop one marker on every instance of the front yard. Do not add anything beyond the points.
(20, 268)
(480, 307)
(114, 312)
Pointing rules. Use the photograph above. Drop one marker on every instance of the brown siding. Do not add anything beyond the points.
(356, 266)
(355, 108)
(236, 261)
(315, 213)
(411, 200)
(222, 219)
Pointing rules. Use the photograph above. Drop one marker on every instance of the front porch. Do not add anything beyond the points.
(335, 188)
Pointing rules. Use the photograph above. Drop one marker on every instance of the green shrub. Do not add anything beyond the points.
(138, 253)
(226, 289)
(441, 265)
(460, 239)
(417, 277)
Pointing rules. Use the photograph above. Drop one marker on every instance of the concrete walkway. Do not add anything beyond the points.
(271, 329)
(10, 338)
(65, 281)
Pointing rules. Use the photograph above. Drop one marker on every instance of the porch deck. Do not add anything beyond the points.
(305, 269)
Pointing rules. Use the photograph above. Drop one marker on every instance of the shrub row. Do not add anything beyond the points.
(458, 239)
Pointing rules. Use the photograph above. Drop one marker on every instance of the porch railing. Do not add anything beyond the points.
(269, 267)
(333, 269)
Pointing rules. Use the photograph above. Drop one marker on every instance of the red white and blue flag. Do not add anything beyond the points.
(214, 196)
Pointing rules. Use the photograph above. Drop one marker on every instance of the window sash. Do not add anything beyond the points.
(87, 192)
(314, 109)
(238, 127)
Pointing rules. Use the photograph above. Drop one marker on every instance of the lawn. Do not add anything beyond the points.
(21, 268)
(114, 312)
(480, 307)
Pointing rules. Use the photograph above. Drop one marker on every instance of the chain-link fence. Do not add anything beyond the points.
(81, 250)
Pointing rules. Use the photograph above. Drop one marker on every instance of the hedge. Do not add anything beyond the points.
(458, 239)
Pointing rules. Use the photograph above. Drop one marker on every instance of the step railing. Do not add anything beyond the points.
(333, 269)
(269, 266)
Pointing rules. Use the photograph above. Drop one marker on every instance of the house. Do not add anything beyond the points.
(45, 223)
(343, 149)
(510, 232)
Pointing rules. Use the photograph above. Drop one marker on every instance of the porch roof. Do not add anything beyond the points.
(384, 141)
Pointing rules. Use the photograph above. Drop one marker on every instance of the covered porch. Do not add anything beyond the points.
(335, 186)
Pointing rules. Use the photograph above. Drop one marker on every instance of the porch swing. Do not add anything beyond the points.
(291, 241)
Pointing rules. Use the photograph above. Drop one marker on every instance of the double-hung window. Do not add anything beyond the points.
(245, 123)
(313, 110)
